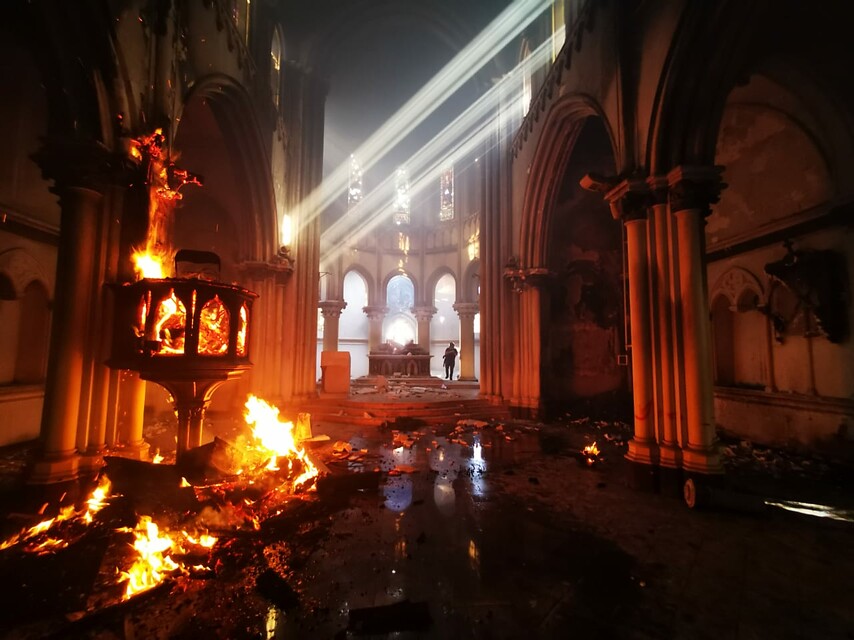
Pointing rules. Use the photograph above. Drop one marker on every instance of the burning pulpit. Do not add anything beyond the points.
(187, 334)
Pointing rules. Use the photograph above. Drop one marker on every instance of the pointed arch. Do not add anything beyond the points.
(232, 108)
(554, 149)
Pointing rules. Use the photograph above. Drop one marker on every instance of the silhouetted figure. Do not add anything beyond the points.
(449, 361)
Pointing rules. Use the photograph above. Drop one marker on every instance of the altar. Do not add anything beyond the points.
(402, 361)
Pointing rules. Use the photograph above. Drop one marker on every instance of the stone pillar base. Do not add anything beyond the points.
(642, 452)
(92, 461)
(669, 456)
(136, 450)
(53, 470)
(704, 461)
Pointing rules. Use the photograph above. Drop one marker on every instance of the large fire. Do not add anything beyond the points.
(275, 439)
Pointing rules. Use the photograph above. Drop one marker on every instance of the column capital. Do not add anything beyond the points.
(695, 187)
(424, 313)
(658, 189)
(332, 308)
(77, 163)
(375, 312)
(467, 309)
(629, 199)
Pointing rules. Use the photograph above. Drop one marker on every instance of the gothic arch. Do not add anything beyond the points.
(22, 269)
(433, 280)
(370, 283)
(716, 47)
(734, 283)
(553, 152)
(468, 286)
(418, 293)
(232, 109)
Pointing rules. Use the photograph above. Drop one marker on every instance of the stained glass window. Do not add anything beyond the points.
(446, 195)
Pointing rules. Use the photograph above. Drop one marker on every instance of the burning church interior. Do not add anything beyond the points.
(426, 319)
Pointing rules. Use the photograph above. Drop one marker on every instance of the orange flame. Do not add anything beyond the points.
(275, 439)
(169, 322)
(164, 182)
(154, 561)
(591, 451)
(94, 503)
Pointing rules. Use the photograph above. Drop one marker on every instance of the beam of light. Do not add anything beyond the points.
(461, 137)
(457, 72)
(816, 510)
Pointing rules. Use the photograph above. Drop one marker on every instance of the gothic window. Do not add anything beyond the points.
(240, 16)
(276, 54)
(401, 197)
(400, 294)
(354, 192)
(446, 195)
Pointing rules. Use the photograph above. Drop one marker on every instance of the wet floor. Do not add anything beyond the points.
(475, 532)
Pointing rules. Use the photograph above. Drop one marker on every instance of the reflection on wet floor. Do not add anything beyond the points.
(481, 564)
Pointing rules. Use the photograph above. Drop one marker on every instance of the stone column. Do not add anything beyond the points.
(423, 316)
(628, 202)
(79, 170)
(331, 311)
(692, 190)
(376, 315)
(133, 388)
(670, 456)
(467, 311)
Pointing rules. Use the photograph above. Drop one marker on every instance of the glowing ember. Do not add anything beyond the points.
(276, 438)
(157, 459)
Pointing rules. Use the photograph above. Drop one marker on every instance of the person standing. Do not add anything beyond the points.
(450, 361)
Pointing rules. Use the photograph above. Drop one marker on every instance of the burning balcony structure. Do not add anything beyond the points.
(189, 334)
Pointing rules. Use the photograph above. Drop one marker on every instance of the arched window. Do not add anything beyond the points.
(401, 197)
(400, 297)
(446, 195)
(276, 56)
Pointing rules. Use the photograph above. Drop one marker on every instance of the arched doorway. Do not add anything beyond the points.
(445, 325)
(582, 322)
(399, 326)
(353, 326)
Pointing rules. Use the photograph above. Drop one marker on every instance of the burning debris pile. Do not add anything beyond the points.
(144, 524)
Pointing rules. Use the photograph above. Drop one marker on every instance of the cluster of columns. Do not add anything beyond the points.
(331, 312)
(671, 347)
(87, 406)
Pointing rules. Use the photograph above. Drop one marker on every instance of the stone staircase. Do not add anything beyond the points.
(376, 411)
